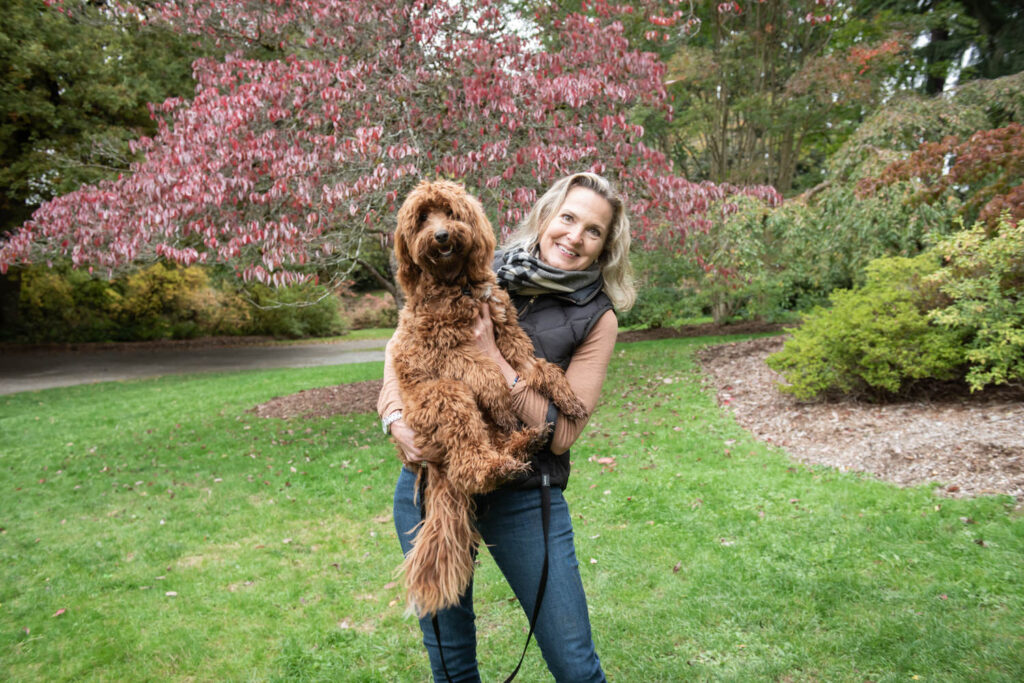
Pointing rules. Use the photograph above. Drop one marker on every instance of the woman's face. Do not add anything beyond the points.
(575, 235)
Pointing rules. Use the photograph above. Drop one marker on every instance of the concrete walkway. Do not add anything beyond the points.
(34, 370)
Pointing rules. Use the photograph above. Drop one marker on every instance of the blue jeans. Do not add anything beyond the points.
(510, 523)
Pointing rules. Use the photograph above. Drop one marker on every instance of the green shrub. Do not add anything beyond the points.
(790, 257)
(162, 301)
(874, 339)
(984, 277)
(64, 305)
(666, 295)
(662, 307)
(170, 302)
(296, 311)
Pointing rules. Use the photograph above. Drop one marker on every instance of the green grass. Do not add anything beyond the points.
(705, 554)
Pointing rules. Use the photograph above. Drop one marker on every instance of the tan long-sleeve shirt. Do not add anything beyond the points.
(586, 373)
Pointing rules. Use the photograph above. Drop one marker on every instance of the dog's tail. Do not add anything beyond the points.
(439, 567)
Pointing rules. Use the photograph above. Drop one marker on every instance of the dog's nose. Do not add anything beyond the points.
(441, 236)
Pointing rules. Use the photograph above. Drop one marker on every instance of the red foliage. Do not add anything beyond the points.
(988, 168)
(285, 166)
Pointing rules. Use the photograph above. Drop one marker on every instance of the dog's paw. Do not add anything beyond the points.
(509, 468)
(523, 442)
(570, 406)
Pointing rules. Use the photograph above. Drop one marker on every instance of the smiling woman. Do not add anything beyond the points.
(566, 273)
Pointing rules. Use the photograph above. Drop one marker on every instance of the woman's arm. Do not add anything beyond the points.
(389, 401)
(586, 373)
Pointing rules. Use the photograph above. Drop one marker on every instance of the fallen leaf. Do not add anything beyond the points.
(171, 594)
(59, 612)
(390, 584)
(675, 569)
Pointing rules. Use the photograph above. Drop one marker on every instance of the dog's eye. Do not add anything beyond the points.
(423, 217)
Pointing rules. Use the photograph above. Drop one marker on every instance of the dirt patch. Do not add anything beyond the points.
(359, 397)
(968, 444)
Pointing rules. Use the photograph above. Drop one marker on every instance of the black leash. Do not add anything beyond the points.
(545, 516)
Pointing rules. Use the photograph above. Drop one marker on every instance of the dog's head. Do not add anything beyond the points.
(442, 234)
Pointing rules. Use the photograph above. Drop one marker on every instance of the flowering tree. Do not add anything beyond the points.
(290, 159)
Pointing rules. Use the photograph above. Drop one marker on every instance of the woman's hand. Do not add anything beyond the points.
(405, 437)
(483, 338)
(483, 332)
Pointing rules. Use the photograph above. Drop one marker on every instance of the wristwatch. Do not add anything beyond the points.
(389, 419)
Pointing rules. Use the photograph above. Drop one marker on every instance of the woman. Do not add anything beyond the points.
(567, 270)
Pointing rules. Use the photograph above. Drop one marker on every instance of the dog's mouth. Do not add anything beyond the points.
(446, 251)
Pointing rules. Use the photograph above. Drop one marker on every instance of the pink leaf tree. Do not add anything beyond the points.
(291, 158)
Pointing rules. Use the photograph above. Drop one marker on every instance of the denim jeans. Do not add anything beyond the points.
(510, 523)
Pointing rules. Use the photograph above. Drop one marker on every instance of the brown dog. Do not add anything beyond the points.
(455, 398)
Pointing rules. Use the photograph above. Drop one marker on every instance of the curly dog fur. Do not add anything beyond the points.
(455, 398)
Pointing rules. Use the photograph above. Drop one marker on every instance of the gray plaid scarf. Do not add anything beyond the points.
(523, 274)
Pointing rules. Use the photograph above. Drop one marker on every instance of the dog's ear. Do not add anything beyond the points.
(408, 222)
(481, 256)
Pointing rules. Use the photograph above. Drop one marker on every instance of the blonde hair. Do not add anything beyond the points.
(616, 269)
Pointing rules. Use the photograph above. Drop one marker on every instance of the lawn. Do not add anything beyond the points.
(155, 530)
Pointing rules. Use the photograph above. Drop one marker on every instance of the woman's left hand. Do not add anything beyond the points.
(483, 338)
(483, 332)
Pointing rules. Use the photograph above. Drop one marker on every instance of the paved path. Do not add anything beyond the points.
(34, 370)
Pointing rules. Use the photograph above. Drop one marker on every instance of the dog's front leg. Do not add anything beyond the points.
(450, 428)
(540, 375)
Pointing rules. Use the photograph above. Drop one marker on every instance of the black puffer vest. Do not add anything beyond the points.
(557, 325)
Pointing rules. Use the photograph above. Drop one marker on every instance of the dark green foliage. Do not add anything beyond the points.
(73, 91)
(876, 339)
(989, 29)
